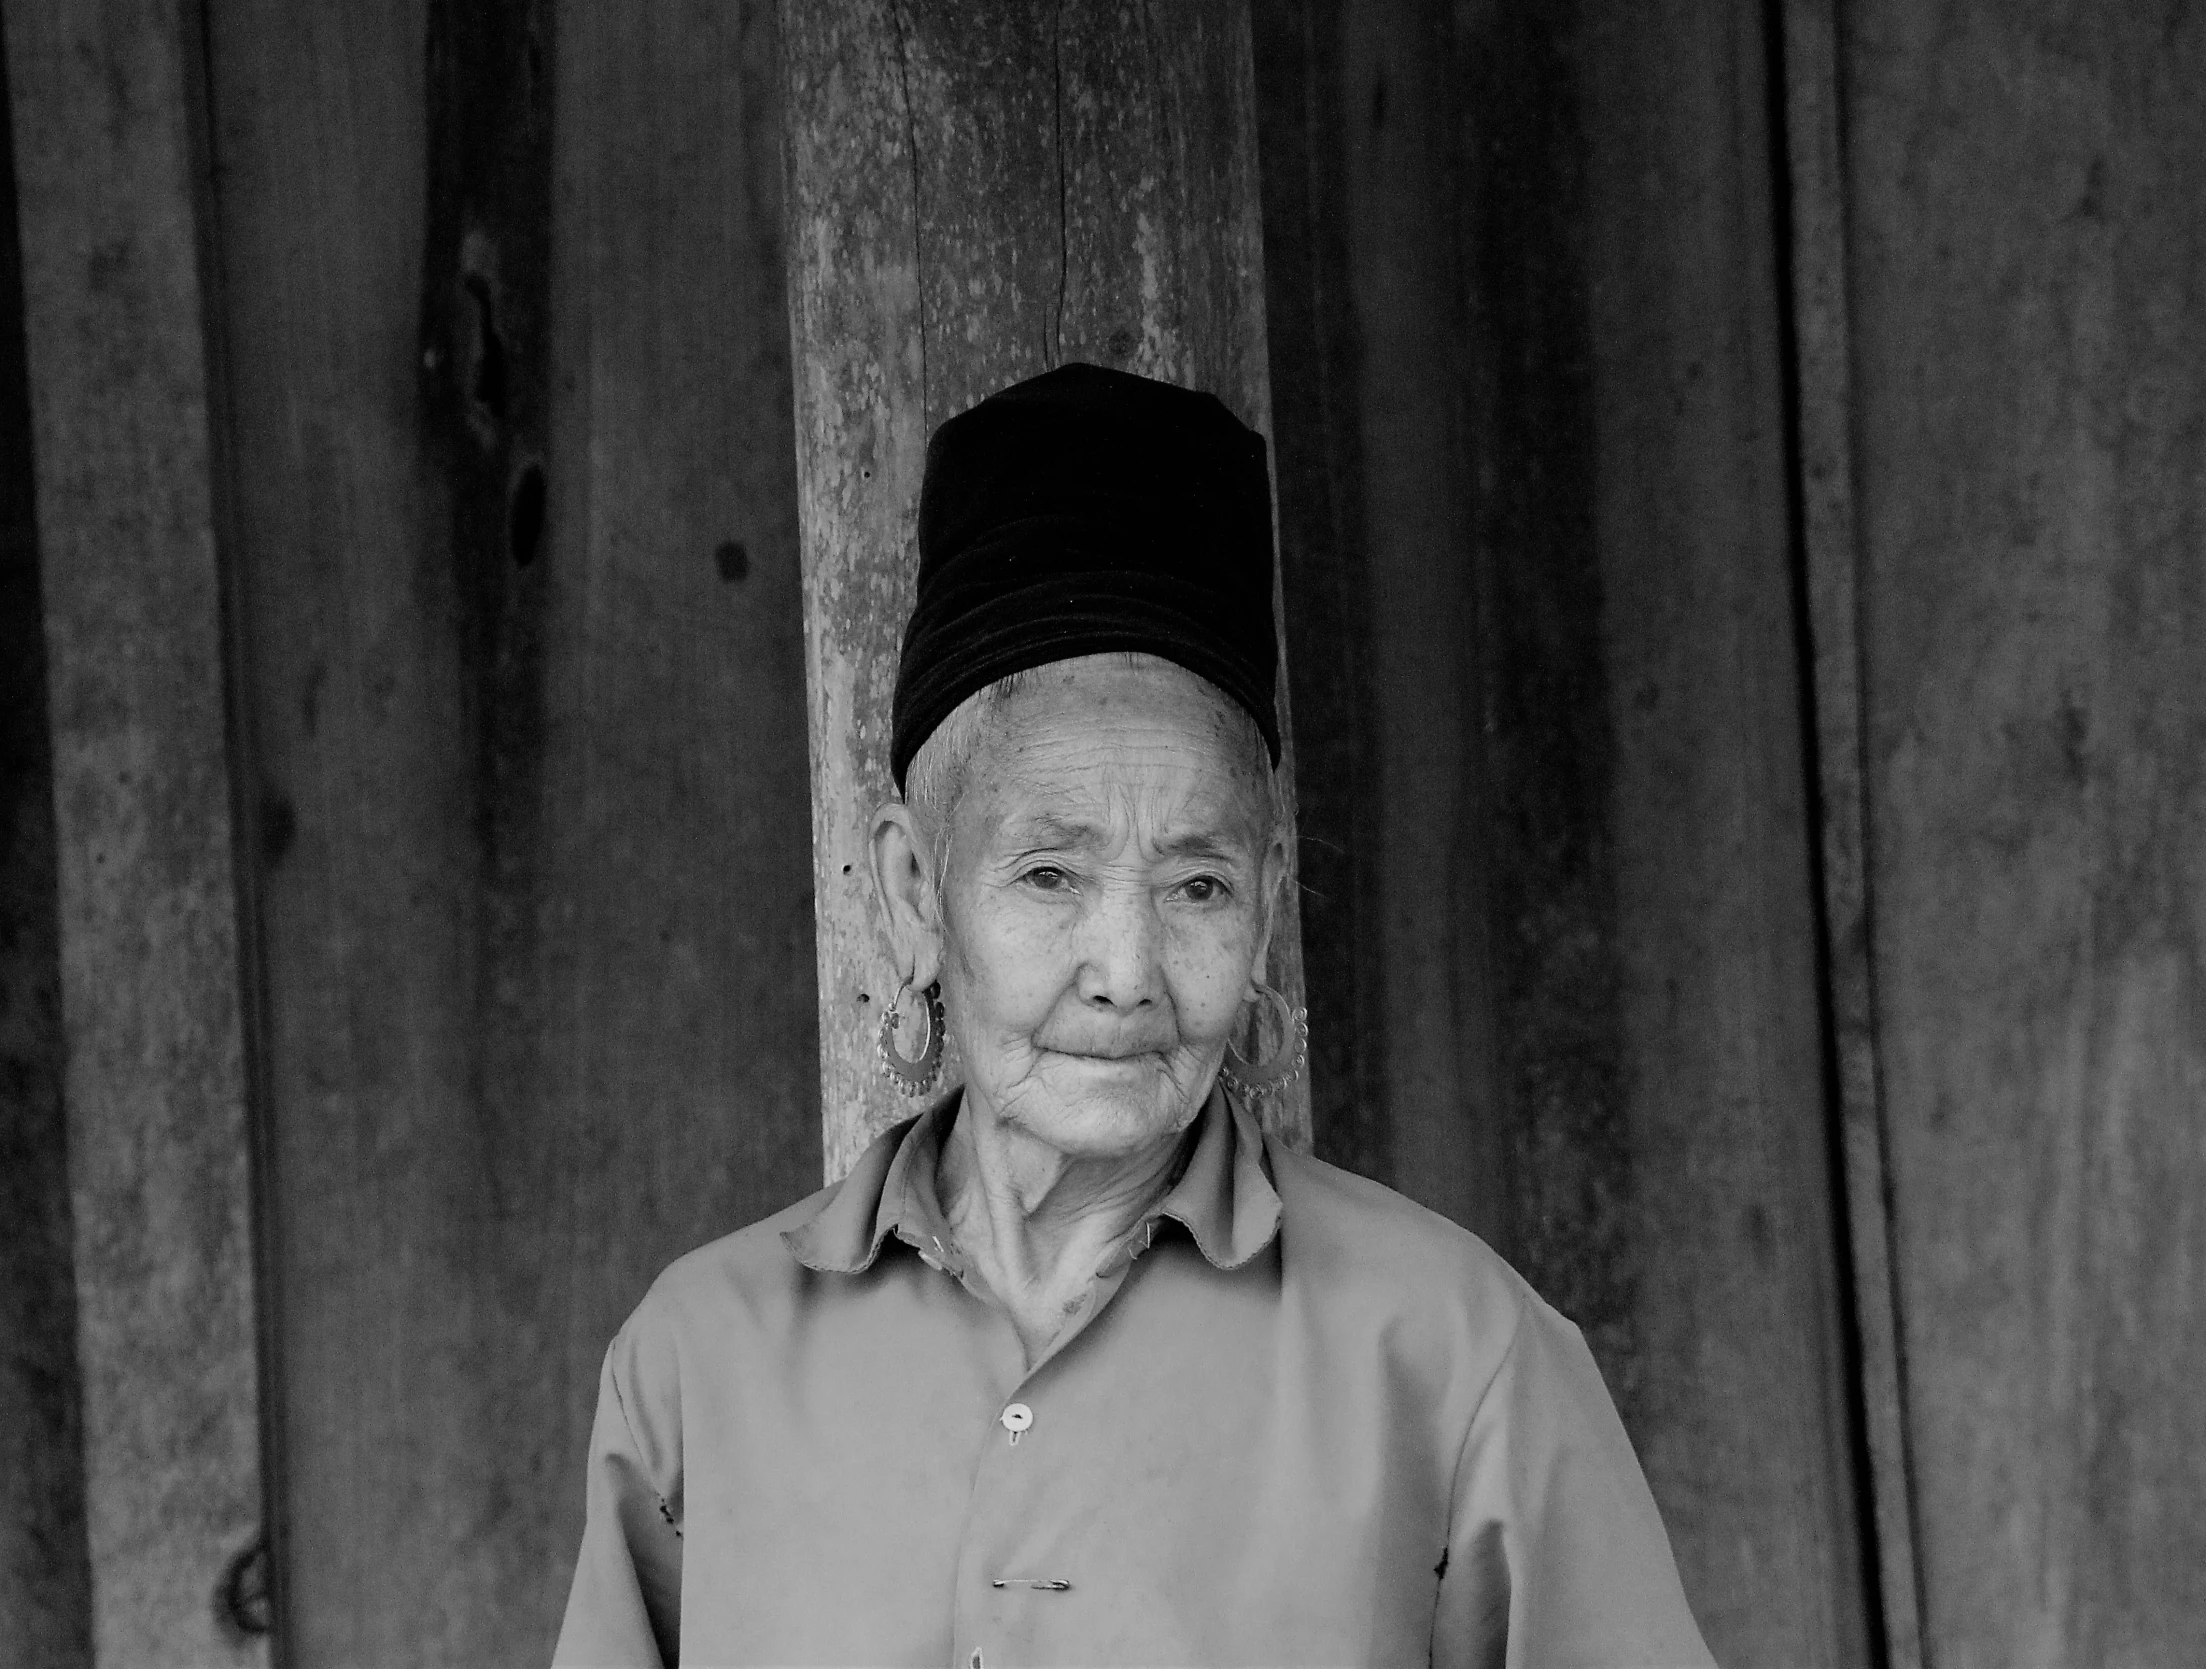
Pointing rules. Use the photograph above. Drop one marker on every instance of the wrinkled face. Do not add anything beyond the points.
(1104, 905)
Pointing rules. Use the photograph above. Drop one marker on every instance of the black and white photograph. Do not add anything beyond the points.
(1102, 834)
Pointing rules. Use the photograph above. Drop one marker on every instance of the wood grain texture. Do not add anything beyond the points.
(1744, 1380)
(976, 193)
(1822, 342)
(155, 1086)
(1566, 401)
(2026, 247)
(45, 1567)
(1317, 460)
(1440, 1052)
(1654, 905)
(531, 793)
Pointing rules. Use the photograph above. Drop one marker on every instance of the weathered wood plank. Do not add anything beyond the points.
(1824, 465)
(1316, 455)
(859, 350)
(1743, 1381)
(1655, 951)
(530, 777)
(1564, 425)
(976, 193)
(45, 1571)
(155, 1085)
(2027, 241)
(1439, 1053)
(680, 1038)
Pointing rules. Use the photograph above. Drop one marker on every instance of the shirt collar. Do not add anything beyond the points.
(1223, 1198)
(860, 1212)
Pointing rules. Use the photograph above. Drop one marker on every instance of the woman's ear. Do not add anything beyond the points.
(904, 884)
(1272, 888)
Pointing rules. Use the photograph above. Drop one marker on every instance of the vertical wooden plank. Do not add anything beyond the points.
(1367, 343)
(531, 791)
(1743, 1379)
(680, 705)
(1317, 460)
(360, 843)
(859, 352)
(2026, 245)
(1447, 1136)
(1533, 258)
(1654, 897)
(1565, 382)
(1822, 346)
(484, 431)
(45, 1575)
(1156, 125)
(155, 1083)
(975, 194)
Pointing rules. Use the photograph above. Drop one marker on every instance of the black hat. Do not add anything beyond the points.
(1082, 511)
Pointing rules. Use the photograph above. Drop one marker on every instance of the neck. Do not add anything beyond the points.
(1037, 1222)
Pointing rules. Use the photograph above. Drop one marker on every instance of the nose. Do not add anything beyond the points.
(1121, 944)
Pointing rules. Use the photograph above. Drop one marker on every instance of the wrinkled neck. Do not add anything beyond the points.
(1034, 1217)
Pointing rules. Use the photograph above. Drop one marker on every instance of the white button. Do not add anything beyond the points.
(1017, 1417)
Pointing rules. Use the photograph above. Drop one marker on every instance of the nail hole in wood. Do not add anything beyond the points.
(525, 522)
(487, 387)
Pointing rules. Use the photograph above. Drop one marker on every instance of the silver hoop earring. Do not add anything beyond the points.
(913, 1074)
(1256, 1080)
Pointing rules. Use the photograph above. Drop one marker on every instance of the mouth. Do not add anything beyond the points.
(1107, 1058)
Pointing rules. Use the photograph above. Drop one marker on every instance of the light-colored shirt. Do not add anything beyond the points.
(1302, 1421)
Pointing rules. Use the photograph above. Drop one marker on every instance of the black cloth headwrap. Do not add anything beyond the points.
(1082, 511)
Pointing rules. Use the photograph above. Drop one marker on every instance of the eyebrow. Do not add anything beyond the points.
(1199, 845)
(1045, 829)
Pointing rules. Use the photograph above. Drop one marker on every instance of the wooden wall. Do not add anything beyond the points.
(1527, 337)
(1740, 487)
(2027, 275)
(148, 892)
(515, 524)
(45, 1574)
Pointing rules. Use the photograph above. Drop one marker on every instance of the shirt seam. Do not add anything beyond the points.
(1462, 1448)
(1455, 1474)
(620, 1404)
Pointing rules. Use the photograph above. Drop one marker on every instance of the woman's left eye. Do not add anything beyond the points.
(1203, 889)
(1048, 878)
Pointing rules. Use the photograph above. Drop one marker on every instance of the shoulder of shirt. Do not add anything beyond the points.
(1407, 1273)
(747, 1268)
(1403, 1253)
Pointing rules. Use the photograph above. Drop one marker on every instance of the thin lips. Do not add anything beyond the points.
(1106, 1053)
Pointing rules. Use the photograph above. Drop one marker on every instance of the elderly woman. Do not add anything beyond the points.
(1078, 1366)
